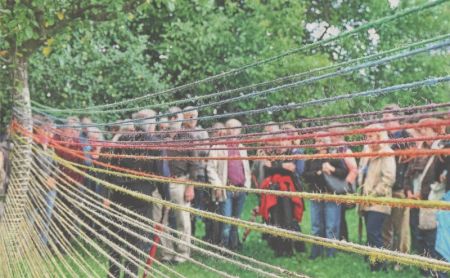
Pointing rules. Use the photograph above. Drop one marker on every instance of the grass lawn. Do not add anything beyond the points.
(343, 265)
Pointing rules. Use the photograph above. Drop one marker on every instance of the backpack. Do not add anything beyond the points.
(280, 211)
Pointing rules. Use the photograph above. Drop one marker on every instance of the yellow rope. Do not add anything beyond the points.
(95, 200)
(374, 253)
(347, 198)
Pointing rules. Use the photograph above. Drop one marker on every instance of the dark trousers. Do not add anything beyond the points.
(374, 228)
(426, 243)
(414, 224)
(132, 240)
(201, 201)
(343, 229)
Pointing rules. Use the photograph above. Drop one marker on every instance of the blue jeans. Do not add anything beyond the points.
(325, 221)
(232, 206)
(374, 228)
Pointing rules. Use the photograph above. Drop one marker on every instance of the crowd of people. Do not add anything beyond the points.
(421, 231)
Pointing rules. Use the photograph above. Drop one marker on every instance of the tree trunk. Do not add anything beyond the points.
(16, 197)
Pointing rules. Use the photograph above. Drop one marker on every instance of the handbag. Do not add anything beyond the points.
(427, 216)
(337, 186)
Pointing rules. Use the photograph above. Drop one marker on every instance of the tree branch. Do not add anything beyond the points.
(94, 12)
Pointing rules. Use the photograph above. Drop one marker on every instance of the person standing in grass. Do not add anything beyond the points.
(180, 194)
(133, 162)
(376, 177)
(325, 216)
(190, 116)
(291, 131)
(351, 165)
(424, 180)
(396, 230)
(45, 163)
(282, 211)
(237, 174)
(217, 175)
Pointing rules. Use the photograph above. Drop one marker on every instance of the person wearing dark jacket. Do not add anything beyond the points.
(202, 195)
(283, 212)
(325, 216)
(423, 181)
(139, 206)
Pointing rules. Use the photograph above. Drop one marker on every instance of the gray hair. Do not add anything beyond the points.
(98, 133)
(177, 112)
(145, 124)
(190, 110)
(72, 121)
(125, 125)
(233, 123)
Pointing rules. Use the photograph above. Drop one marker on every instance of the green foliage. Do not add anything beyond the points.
(170, 43)
(95, 65)
(29, 26)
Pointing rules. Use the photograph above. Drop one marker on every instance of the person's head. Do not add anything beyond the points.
(267, 145)
(234, 127)
(388, 114)
(271, 127)
(42, 128)
(322, 139)
(218, 130)
(282, 142)
(191, 114)
(290, 130)
(95, 134)
(146, 120)
(85, 120)
(433, 129)
(163, 124)
(335, 130)
(126, 126)
(376, 136)
(71, 130)
(175, 118)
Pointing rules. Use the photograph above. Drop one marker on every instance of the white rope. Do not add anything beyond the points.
(147, 227)
(80, 260)
(62, 187)
(66, 216)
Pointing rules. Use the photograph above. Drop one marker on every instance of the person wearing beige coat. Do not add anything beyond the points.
(379, 179)
(229, 172)
(376, 177)
(217, 171)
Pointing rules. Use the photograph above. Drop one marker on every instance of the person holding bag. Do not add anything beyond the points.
(350, 163)
(376, 177)
(319, 174)
(423, 182)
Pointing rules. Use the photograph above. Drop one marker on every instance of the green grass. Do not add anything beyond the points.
(343, 265)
